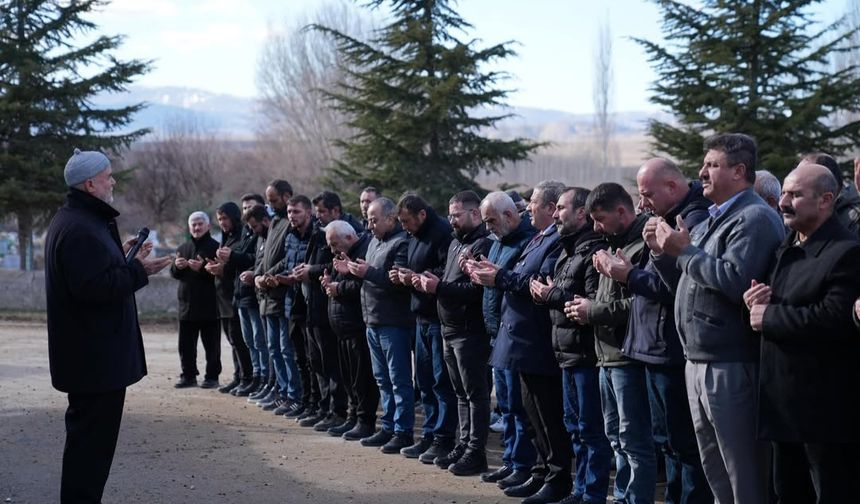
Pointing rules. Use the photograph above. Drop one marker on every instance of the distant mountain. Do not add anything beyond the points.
(234, 117)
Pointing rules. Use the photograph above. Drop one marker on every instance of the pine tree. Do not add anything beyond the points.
(759, 67)
(417, 97)
(47, 84)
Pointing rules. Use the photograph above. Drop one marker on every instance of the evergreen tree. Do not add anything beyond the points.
(47, 84)
(759, 67)
(414, 94)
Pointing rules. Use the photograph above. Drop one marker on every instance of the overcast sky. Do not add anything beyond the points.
(214, 44)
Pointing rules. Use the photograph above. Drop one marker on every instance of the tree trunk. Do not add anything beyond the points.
(25, 240)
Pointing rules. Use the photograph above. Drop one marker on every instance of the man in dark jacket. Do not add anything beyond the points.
(651, 334)
(847, 204)
(524, 346)
(466, 345)
(344, 313)
(510, 234)
(575, 276)
(623, 384)
(230, 221)
(385, 308)
(428, 249)
(95, 347)
(272, 294)
(198, 305)
(809, 348)
(245, 297)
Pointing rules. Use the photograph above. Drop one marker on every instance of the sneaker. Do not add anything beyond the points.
(397, 443)
(329, 422)
(283, 408)
(309, 411)
(497, 475)
(415, 451)
(571, 499)
(498, 425)
(277, 403)
(381, 437)
(361, 431)
(296, 409)
(245, 387)
(445, 460)
(226, 389)
(209, 383)
(472, 462)
(185, 382)
(261, 391)
(439, 448)
(268, 398)
(340, 430)
(311, 420)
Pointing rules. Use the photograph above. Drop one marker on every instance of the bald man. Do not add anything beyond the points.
(809, 347)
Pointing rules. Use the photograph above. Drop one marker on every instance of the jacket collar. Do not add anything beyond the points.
(84, 201)
(694, 200)
(518, 233)
(572, 242)
(631, 234)
(815, 243)
(362, 238)
(473, 235)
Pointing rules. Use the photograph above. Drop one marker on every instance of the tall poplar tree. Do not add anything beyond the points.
(417, 99)
(47, 83)
(760, 67)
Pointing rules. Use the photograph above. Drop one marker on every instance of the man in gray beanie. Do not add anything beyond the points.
(95, 346)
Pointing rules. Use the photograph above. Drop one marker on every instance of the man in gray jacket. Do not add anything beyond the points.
(718, 259)
(390, 325)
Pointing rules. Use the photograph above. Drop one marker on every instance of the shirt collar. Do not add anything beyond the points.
(717, 210)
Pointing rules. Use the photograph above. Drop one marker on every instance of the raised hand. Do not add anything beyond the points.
(757, 294)
(673, 242)
(539, 290)
(616, 267)
(358, 268)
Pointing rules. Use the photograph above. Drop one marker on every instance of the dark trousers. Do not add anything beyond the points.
(815, 473)
(299, 337)
(356, 370)
(210, 335)
(670, 414)
(543, 402)
(324, 365)
(92, 428)
(466, 357)
(437, 393)
(243, 368)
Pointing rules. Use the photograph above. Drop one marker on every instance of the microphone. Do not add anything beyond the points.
(142, 235)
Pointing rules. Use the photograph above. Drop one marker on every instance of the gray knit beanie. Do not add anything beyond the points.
(84, 165)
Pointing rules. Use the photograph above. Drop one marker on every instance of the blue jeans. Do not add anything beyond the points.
(670, 412)
(283, 357)
(519, 453)
(255, 338)
(627, 419)
(391, 356)
(437, 392)
(583, 418)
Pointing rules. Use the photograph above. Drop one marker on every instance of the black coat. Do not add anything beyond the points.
(459, 301)
(810, 350)
(242, 259)
(428, 250)
(196, 292)
(344, 309)
(225, 284)
(574, 275)
(94, 341)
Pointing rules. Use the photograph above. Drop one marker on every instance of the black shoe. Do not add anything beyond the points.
(359, 432)
(527, 489)
(283, 408)
(226, 389)
(381, 437)
(296, 409)
(311, 420)
(571, 499)
(185, 382)
(548, 493)
(245, 387)
(446, 459)
(497, 475)
(272, 406)
(516, 478)
(340, 430)
(424, 443)
(308, 412)
(472, 463)
(329, 422)
(397, 443)
(261, 391)
(209, 383)
(268, 398)
(439, 448)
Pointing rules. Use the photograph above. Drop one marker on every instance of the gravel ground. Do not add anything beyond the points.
(198, 446)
